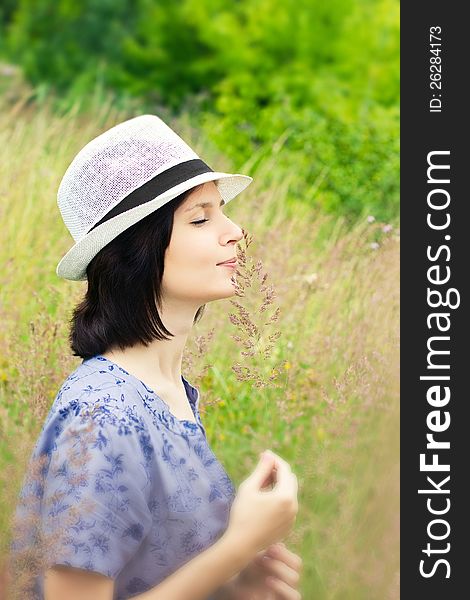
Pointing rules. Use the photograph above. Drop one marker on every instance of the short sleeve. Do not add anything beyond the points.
(94, 511)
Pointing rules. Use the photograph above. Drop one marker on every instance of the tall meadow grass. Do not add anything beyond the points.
(303, 359)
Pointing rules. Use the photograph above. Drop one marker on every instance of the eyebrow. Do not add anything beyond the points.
(203, 205)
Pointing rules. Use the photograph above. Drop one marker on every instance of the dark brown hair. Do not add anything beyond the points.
(120, 307)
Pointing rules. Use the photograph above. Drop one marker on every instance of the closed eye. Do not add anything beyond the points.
(200, 222)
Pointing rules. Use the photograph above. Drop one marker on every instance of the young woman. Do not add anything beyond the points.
(143, 508)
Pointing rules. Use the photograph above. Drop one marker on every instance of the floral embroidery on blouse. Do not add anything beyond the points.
(126, 489)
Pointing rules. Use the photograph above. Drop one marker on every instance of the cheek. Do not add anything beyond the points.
(187, 261)
(192, 248)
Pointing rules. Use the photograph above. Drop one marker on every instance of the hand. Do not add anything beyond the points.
(275, 561)
(260, 517)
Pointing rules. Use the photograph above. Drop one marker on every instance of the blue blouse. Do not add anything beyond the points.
(134, 498)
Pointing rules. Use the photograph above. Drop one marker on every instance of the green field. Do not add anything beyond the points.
(331, 408)
(304, 97)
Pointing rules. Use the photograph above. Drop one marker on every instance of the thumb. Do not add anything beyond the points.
(262, 470)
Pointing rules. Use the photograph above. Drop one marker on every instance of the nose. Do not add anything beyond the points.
(240, 232)
(236, 233)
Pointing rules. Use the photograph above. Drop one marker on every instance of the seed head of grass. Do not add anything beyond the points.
(39, 526)
(252, 321)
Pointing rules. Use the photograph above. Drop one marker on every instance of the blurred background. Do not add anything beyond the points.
(303, 96)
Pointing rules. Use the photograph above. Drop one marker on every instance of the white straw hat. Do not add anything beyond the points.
(122, 176)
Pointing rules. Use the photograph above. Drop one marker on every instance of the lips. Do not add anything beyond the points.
(231, 261)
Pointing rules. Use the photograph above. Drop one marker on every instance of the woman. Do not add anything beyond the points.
(133, 502)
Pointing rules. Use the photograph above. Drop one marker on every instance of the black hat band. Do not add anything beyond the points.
(158, 185)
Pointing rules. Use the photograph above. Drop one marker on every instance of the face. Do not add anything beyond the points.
(202, 236)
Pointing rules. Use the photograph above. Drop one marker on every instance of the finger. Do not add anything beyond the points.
(285, 591)
(271, 548)
(284, 482)
(269, 551)
(278, 460)
(283, 553)
(270, 479)
(259, 555)
(262, 472)
(279, 569)
(283, 472)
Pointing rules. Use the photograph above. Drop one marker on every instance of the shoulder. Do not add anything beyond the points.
(91, 474)
(101, 403)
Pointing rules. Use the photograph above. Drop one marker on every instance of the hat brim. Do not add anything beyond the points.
(74, 263)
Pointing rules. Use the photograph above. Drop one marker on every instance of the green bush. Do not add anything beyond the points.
(323, 77)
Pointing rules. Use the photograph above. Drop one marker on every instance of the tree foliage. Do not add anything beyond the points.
(324, 77)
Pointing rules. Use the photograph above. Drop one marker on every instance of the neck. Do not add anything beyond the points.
(161, 360)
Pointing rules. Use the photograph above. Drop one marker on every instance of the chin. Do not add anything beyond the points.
(221, 294)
